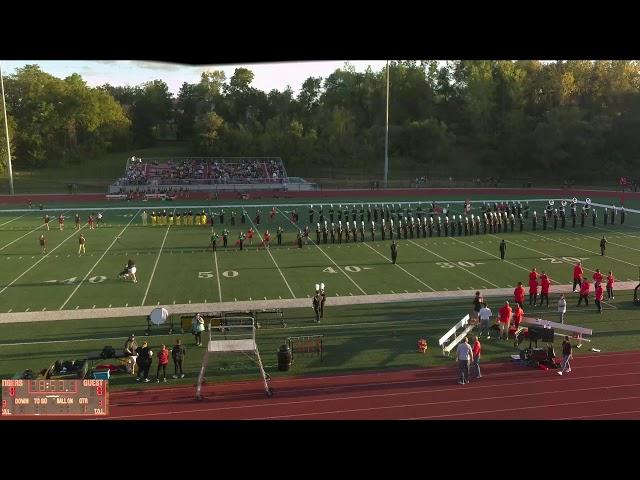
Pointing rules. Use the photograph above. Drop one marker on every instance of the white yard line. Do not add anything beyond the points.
(35, 264)
(325, 254)
(547, 255)
(608, 241)
(274, 260)
(215, 257)
(583, 249)
(39, 227)
(12, 220)
(405, 271)
(453, 263)
(155, 265)
(96, 264)
(495, 256)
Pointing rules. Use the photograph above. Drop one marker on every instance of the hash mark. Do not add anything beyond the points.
(27, 310)
(93, 306)
(77, 307)
(10, 310)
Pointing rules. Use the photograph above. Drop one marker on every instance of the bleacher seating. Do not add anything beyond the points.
(202, 171)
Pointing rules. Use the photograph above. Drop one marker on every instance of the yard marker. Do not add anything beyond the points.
(96, 264)
(27, 310)
(446, 260)
(93, 306)
(10, 310)
(77, 307)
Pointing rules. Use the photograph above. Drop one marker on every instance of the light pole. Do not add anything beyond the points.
(6, 128)
(386, 135)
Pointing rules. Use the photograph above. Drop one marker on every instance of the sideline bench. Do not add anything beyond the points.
(457, 338)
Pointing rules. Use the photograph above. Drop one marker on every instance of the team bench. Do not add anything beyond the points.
(445, 341)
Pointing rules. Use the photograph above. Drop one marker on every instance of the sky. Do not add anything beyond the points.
(268, 76)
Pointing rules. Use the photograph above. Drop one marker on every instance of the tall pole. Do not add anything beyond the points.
(6, 129)
(386, 135)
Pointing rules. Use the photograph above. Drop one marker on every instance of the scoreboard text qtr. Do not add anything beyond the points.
(55, 397)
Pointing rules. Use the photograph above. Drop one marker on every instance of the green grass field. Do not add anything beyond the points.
(176, 265)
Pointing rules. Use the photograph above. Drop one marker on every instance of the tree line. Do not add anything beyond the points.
(576, 119)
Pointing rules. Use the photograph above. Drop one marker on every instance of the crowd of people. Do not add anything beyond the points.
(203, 171)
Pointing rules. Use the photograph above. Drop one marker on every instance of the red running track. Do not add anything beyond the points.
(601, 386)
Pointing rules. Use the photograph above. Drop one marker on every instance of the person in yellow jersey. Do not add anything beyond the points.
(178, 219)
(196, 219)
(153, 218)
(171, 218)
(203, 218)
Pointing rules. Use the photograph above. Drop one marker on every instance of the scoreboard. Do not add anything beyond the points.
(55, 397)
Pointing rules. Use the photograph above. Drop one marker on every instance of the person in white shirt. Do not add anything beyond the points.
(485, 315)
(464, 355)
(562, 308)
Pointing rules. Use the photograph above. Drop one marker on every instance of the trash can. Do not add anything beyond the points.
(284, 358)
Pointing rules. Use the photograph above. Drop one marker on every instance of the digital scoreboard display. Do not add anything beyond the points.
(55, 397)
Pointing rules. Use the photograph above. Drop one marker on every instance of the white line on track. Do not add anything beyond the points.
(274, 260)
(96, 264)
(35, 264)
(325, 254)
(460, 267)
(155, 265)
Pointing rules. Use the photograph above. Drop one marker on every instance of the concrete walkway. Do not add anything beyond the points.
(190, 308)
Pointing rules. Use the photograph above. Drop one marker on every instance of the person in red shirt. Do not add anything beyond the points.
(533, 274)
(250, 235)
(518, 294)
(610, 281)
(518, 315)
(163, 361)
(577, 275)
(61, 221)
(599, 291)
(584, 292)
(533, 291)
(545, 283)
(265, 240)
(504, 317)
(597, 276)
(477, 350)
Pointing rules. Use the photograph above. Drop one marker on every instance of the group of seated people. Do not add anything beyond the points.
(200, 170)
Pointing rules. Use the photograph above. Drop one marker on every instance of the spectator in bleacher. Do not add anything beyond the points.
(464, 354)
(476, 350)
(178, 352)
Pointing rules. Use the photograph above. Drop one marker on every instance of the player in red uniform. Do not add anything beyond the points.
(61, 221)
(577, 275)
(545, 283)
(250, 235)
(504, 318)
(597, 276)
(90, 221)
(518, 294)
(584, 292)
(265, 240)
(599, 292)
(273, 213)
(610, 281)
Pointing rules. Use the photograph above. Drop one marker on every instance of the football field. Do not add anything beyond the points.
(176, 264)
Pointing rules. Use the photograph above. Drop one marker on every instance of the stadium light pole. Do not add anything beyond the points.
(6, 128)
(386, 135)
